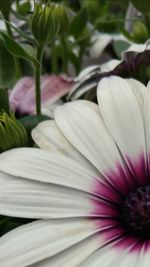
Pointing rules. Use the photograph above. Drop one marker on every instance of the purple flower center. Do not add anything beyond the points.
(135, 211)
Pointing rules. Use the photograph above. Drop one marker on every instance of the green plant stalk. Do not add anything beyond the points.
(4, 100)
(37, 70)
(147, 21)
(53, 60)
(17, 61)
(65, 54)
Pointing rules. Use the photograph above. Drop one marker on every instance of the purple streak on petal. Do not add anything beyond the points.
(113, 233)
(105, 223)
(120, 240)
(105, 191)
(121, 179)
(108, 206)
(139, 170)
(127, 241)
(103, 208)
(146, 246)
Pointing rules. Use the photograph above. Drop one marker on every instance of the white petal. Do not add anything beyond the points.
(85, 72)
(30, 199)
(122, 115)
(111, 256)
(41, 239)
(110, 65)
(79, 91)
(147, 121)
(99, 45)
(48, 109)
(48, 136)
(83, 127)
(139, 48)
(81, 86)
(44, 166)
(143, 259)
(73, 256)
(139, 91)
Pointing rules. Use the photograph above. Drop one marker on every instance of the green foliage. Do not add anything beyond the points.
(7, 74)
(78, 24)
(5, 7)
(4, 101)
(23, 8)
(119, 47)
(142, 5)
(21, 33)
(30, 122)
(16, 49)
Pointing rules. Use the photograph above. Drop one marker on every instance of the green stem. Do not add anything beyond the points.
(65, 55)
(53, 60)
(147, 21)
(4, 100)
(17, 61)
(38, 79)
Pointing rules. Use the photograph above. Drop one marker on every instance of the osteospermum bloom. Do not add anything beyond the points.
(133, 58)
(89, 185)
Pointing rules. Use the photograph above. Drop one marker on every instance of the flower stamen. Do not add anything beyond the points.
(136, 211)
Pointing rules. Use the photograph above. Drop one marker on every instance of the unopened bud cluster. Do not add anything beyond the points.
(12, 132)
(47, 21)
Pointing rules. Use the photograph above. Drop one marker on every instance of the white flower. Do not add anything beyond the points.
(101, 41)
(90, 190)
(133, 58)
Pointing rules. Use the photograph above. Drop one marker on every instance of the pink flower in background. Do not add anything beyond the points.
(53, 87)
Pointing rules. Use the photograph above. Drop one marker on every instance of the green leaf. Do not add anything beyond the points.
(16, 49)
(142, 5)
(4, 101)
(7, 66)
(30, 122)
(5, 7)
(21, 33)
(120, 46)
(9, 223)
(74, 60)
(127, 34)
(78, 23)
(23, 8)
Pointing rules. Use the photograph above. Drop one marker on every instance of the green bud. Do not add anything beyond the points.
(142, 5)
(63, 19)
(140, 33)
(47, 21)
(12, 132)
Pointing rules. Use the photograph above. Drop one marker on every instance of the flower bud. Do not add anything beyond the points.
(47, 21)
(12, 132)
(140, 33)
(63, 19)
